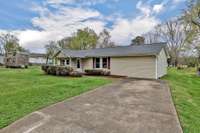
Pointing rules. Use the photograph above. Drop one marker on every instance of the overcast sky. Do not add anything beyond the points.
(36, 22)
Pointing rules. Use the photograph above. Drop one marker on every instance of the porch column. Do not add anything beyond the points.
(65, 62)
(70, 61)
(101, 62)
(81, 65)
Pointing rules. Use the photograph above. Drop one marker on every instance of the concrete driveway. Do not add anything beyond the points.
(126, 106)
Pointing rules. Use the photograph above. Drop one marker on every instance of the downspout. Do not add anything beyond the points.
(156, 67)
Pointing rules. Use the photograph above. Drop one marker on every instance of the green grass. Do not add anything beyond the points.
(185, 88)
(26, 90)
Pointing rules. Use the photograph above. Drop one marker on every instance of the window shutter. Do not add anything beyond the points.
(108, 62)
(93, 62)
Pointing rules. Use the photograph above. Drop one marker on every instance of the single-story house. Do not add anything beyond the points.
(37, 58)
(139, 61)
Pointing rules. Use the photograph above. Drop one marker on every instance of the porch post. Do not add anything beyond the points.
(70, 62)
(101, 62)
(81, 64)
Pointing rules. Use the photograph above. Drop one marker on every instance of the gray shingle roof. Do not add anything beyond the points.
(37, 55)
(136, 50)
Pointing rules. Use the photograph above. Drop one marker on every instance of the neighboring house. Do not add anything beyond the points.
(1, 59)
(16, 59)
(37, 58)
(139, 61)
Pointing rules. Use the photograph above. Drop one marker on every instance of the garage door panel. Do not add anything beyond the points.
(141, 67)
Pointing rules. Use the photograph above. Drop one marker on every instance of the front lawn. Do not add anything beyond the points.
(23, 91)
(185, 87)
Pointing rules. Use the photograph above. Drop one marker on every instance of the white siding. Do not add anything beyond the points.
(139, 67)
(161, 64)
(1, 59)
(87, 63)
(37, 60)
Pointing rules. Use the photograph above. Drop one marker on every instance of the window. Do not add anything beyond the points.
(97, 62)
(105, 63)
(67, 62)
(78, 64)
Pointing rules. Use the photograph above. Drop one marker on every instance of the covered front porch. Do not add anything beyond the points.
(75, 63)
(82, 64)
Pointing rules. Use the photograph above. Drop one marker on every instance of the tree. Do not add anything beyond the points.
(152, 36)
(174, 34)
(193, 29)
(104, 40)
(9, 43)
(65, 42)
(138, 40)
(87, 39)
(51, 50)
(83, 39)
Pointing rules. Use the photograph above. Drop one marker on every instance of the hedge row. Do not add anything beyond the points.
(97, 72)
(68, 71)
(60, 71)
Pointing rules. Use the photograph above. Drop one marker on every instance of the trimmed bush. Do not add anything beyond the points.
(76, 74)
(57, 70)
(97, 72)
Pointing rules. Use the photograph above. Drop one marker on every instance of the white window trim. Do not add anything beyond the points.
(100, 64)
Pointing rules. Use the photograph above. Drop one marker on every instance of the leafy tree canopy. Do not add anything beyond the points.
(138, 40)
(83, 39)
(10, 43)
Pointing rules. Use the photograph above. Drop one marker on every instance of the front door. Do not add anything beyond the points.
(78, 65)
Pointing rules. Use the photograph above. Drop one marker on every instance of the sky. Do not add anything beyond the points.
(36, 22)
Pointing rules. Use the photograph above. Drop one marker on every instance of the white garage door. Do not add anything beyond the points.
(139, 67)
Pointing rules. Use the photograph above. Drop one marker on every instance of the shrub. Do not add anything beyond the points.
(52, 70)
(44, 68)
(191, 64)
(76, 74)
(57, 70)
(97, 72)
(106, 73)
(63, 71)
(180, 67)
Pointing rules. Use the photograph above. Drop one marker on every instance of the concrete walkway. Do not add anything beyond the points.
(126, 106)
